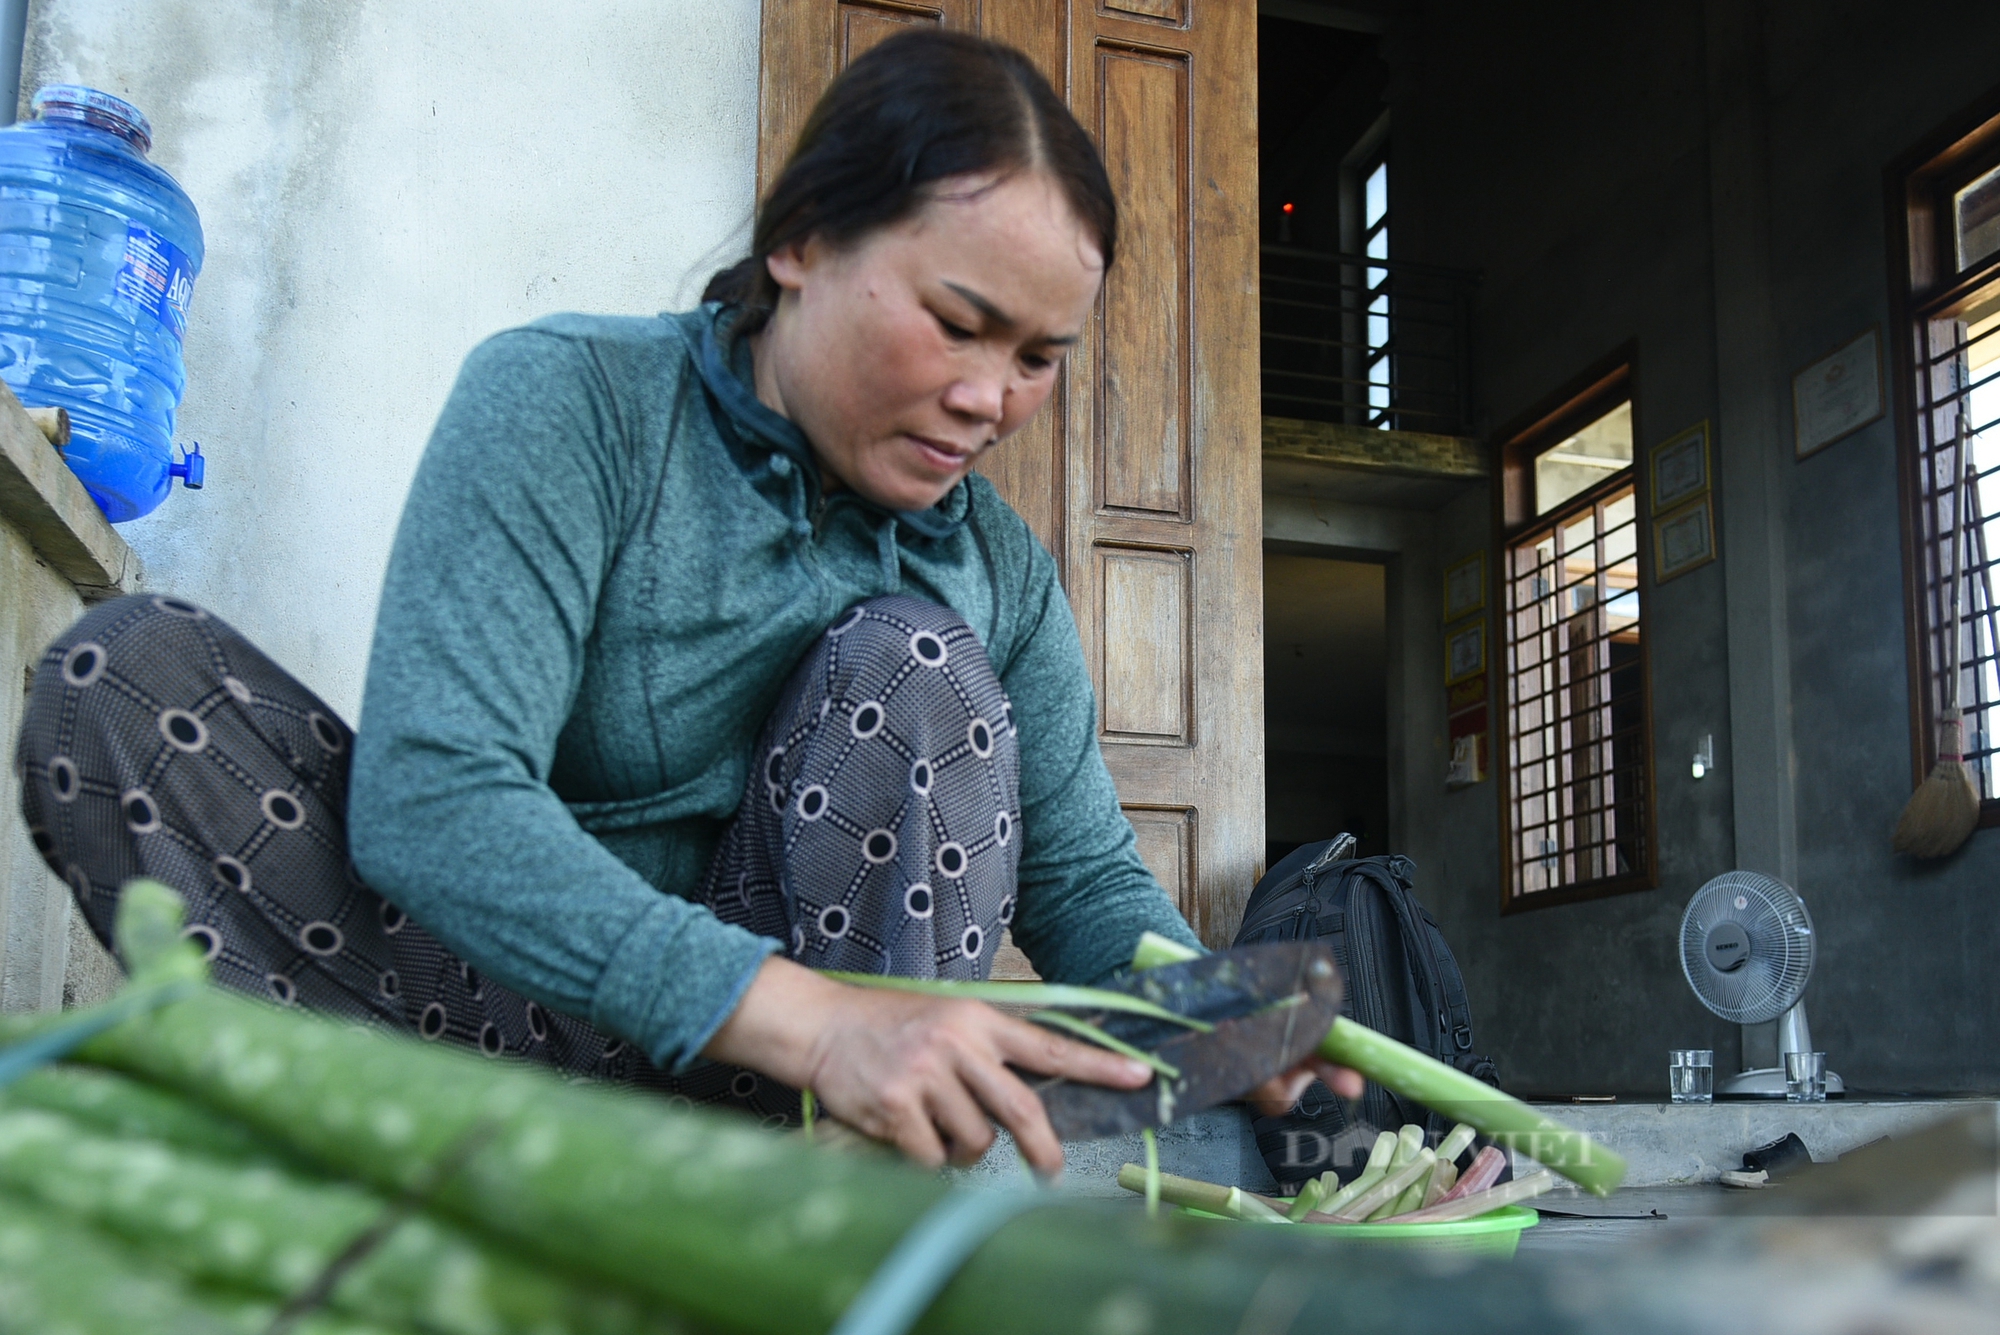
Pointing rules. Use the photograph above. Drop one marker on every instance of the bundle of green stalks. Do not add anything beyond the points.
(218, 1164)
(1403, 1182)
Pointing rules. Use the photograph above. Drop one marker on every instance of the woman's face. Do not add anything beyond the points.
(907, 354)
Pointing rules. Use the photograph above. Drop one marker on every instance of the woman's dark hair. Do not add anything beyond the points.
(918, 108)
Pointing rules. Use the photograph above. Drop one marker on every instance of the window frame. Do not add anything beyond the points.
(1384, 353)
(1596, 391)
(1925, 284)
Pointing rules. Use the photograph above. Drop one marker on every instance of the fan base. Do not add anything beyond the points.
(1768, 1082)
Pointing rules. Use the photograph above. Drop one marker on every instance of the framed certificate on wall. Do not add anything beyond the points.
(1683, 540)
(1464, 651)
(1680, 468)
(1838, 394)
(1465, 587)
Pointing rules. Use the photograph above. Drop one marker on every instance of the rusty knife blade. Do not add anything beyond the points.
(1270, 1004)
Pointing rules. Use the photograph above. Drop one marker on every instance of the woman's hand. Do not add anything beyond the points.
(1275, 1096)
(923, 1073)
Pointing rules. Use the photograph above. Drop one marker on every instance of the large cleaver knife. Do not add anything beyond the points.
(1270, 1006)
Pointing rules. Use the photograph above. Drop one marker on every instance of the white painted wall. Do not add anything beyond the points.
(383, 183)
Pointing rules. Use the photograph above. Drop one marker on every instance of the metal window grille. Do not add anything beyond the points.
(1575, 698)
(1957, 393)
(1375, 243)
(1366, 341)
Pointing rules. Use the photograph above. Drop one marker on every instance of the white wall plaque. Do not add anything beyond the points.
(1838, 394)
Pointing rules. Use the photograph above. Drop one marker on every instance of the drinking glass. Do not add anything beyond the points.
(1691, 1075)
(1805, 1077)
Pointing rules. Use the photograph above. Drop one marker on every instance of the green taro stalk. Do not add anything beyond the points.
(57, 1275)
(264, 1232)
(115, 1105)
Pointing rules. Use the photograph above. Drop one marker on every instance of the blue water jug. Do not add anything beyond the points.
(98, 255)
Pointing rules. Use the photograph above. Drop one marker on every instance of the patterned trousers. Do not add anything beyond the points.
(877, 832)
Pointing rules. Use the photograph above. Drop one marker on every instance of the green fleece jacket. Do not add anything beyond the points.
(610, 561)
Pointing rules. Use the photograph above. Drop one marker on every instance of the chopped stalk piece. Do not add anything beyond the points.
(1152, 1172)
(1306, 1201)
(1363, 1181)
(1443, 1178)
(1483, 1173)
(1413, 1195)
(1456, 1143)
(1411, 1199)
(1254, 1209)
(806, 1113)
(1408, 1141)
(1383, 1192)
(1401, 1202)
(1483, 1202)
(1191, 1192)
(1377, 1168)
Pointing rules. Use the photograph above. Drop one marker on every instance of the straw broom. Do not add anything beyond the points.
(1944, 810)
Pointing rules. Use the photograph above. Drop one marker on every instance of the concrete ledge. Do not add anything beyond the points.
(1672, 1143)
(41, 498)
(1405, 453)
(1405, 470)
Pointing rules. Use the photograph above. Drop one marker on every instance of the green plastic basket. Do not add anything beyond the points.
(1494, 1234)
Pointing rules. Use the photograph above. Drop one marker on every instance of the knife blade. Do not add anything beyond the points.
(1270, 1006)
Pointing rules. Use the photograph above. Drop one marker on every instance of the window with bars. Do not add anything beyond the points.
(1946, 214)
(1958, 445)
(1574, 708)
(1375, 244)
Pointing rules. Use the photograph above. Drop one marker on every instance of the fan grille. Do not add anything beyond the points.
(1781, 936)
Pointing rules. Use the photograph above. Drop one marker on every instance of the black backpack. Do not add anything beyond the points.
(1401, 980)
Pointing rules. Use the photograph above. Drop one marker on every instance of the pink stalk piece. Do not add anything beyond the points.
(1483, 1173)
(1480, 1202)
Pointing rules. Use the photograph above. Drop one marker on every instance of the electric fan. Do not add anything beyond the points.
(1747, 949)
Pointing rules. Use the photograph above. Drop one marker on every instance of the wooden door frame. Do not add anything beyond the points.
(1209, 775)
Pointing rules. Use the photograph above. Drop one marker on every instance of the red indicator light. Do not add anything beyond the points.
(1288, 208)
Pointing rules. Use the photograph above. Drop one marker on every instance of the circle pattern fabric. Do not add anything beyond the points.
(159, 742)
(875, 835)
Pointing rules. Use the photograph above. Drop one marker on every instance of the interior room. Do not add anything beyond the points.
(1556, 445)
(1326, 673)
(1601, 279)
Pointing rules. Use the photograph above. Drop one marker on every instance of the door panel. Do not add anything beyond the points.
(1166, 844)
(807, 42)
(862, 25)
(1146, 672)
(1142, 379)
(1142, 475)
(1169, 11)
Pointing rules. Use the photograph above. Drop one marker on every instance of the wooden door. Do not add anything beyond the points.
(1143, 474)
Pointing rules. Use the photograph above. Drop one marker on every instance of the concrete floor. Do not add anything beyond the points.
(1679, 1150)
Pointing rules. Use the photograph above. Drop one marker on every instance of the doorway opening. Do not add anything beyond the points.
(1326, 702)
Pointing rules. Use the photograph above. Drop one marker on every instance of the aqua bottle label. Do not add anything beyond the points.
(157, 277)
